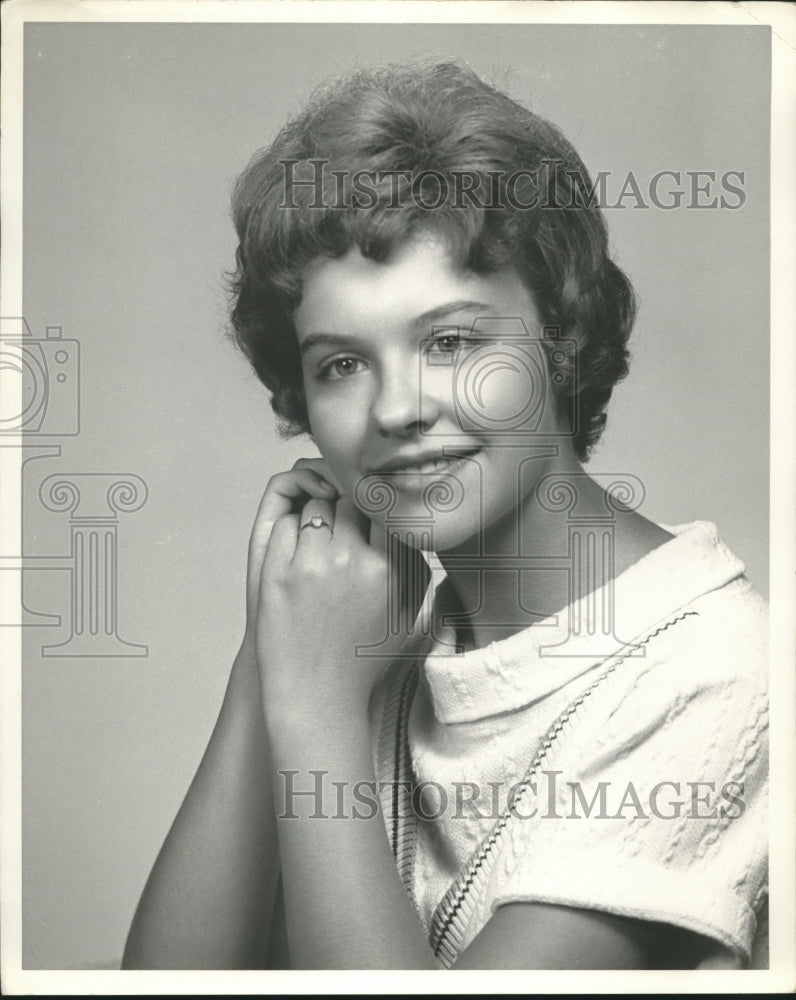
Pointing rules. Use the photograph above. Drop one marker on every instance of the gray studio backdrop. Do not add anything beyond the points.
(133, 137)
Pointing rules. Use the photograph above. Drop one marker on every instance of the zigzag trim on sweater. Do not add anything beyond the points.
(452, 915)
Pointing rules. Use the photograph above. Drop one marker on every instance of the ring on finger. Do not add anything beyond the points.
(317, 513)
(317, 521)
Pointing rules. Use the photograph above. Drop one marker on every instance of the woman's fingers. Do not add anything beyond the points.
(281, 544)
(316, 525)
(287, 491)
(320, 466)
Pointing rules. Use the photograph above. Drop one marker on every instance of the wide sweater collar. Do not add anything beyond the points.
(513, 672)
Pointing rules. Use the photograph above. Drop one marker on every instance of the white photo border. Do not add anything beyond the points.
(780, 977)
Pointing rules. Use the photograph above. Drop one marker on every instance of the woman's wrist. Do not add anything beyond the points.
(328, 725)
(302, 690)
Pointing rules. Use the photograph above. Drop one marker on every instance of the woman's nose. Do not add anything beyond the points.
(403, 403)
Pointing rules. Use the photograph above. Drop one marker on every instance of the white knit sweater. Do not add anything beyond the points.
(593, 750)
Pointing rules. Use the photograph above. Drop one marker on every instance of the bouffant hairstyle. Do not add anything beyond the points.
(441, 151)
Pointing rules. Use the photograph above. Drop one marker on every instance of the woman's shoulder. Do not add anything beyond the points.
(734, 617)
(697, 666)
(690, 578)
(725, 630)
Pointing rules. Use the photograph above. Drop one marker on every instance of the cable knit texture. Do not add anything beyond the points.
(622, 773)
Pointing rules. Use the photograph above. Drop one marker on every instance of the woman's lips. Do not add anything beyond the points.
(418, 476)
(423, 463)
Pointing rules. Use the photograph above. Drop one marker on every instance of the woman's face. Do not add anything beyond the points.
(418, 373)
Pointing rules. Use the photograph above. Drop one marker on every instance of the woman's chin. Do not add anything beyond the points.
(442, 533)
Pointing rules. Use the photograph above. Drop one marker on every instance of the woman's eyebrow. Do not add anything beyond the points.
(313, 340)
(337, 340)
(460, 305)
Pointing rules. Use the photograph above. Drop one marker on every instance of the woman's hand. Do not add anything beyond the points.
(286, 493)
(334, 606)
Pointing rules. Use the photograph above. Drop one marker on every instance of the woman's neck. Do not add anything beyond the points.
(522, 569)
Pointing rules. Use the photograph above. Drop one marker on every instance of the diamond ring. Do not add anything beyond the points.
(316, 521)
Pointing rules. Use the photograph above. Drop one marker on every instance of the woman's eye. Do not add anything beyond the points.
(447, 343)
(340, 368)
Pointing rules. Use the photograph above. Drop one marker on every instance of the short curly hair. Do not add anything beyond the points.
(438, 123)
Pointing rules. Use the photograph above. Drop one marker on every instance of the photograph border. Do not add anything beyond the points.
(781, 976)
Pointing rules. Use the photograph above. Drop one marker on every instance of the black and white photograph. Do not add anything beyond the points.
(398, 495)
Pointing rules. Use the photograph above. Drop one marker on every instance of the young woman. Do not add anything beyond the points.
(563, 764)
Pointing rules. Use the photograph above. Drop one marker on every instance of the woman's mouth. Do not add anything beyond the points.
(441, 464)
(407, 474)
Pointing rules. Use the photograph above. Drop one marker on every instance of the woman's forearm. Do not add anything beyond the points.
(324, 597)
(345, 905)
(209, 900)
